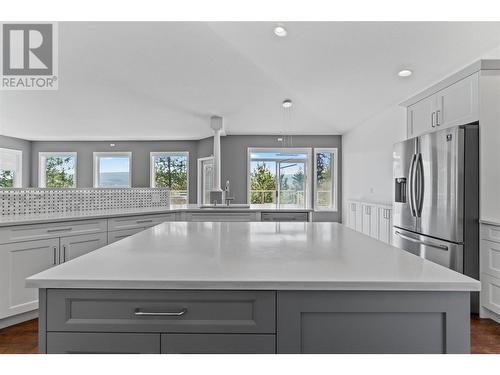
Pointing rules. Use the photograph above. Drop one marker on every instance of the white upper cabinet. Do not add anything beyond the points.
(420, 116)
(456, 104)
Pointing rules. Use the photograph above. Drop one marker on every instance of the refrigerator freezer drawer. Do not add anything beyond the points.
(447, 254)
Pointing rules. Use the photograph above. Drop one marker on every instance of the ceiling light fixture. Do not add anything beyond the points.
(405, 73)
(280, 31)
(287, 103)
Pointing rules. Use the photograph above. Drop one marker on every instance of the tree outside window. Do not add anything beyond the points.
(6, 179)
(278, 177)
(325, 184)
(263, 185)
(170, 170)
(57, 170)
(60, 172)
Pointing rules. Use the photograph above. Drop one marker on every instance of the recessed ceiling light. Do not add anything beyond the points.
(280, 31)
(287, 103)
(405, 73)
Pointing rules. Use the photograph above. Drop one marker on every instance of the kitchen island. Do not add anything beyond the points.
(220, 287)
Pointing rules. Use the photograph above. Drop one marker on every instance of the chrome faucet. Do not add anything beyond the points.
(227, 198)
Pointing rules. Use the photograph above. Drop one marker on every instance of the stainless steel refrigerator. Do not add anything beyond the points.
(436, 198)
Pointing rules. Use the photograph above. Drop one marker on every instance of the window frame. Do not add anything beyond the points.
(335, 152)
(96, 167)
(43, 155)
(18, 177)
(199, 188)
(153, 154)
(296, 150)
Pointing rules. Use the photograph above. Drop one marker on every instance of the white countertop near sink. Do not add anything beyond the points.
(103, 214)
(252, 256)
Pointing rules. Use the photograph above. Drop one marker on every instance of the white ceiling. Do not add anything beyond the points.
(163, 80)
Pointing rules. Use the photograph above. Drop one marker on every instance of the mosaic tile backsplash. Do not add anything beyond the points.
(51, 201)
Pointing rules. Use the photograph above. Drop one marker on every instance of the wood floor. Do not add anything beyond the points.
(23, 338)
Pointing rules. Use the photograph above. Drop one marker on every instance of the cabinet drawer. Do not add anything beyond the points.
(102, 343)
(490, 258)
(121, 234)
(490, 233)
(131, 222)
(146, 311)
(223, 216)
(284, 216)
(490, 293)
(39, 231)
(215, 343)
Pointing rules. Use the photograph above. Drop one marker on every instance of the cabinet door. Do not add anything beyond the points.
(74, 246)
(420, 116)
(102, 343)
(490, 293)
(118, 235)
(370, 220)
(17, 262)
(385, 225)
(351, 215)
(354, 216)
(458, 104)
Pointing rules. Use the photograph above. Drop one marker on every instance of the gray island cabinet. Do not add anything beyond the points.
(220, 287)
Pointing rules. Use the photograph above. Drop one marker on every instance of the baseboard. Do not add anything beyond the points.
(16, 319)
(485, 313)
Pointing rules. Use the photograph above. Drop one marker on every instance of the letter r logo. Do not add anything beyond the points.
(27, 49)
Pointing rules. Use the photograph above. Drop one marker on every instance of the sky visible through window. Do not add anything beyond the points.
(114, 164)
(114, 171)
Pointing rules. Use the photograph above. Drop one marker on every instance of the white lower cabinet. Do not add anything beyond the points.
(372, 219)
(17, 262)
(74, 246)
(489, 258)
(354, 216)
(490, 293)
(385, 224)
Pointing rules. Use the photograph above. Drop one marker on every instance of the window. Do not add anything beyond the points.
(112, 169)
(205, 179)
(325, 179)
(11, 162)
(57, 169)
(279, 177)
(171, 170)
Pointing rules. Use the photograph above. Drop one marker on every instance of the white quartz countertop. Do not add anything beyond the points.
(10, 220)
(252, 256)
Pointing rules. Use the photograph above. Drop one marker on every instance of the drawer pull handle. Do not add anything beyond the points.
(59, 230)
(139, 312)
(144, 221)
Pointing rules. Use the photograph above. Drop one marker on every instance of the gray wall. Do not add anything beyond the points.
(140, 159)
(234, 159)
(25, 147)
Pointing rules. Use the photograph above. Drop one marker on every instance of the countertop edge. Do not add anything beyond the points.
(254, 285)
(108, 215)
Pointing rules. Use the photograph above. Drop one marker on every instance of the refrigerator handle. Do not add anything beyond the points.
(411, 186)
(419, 187)
(436, 246)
